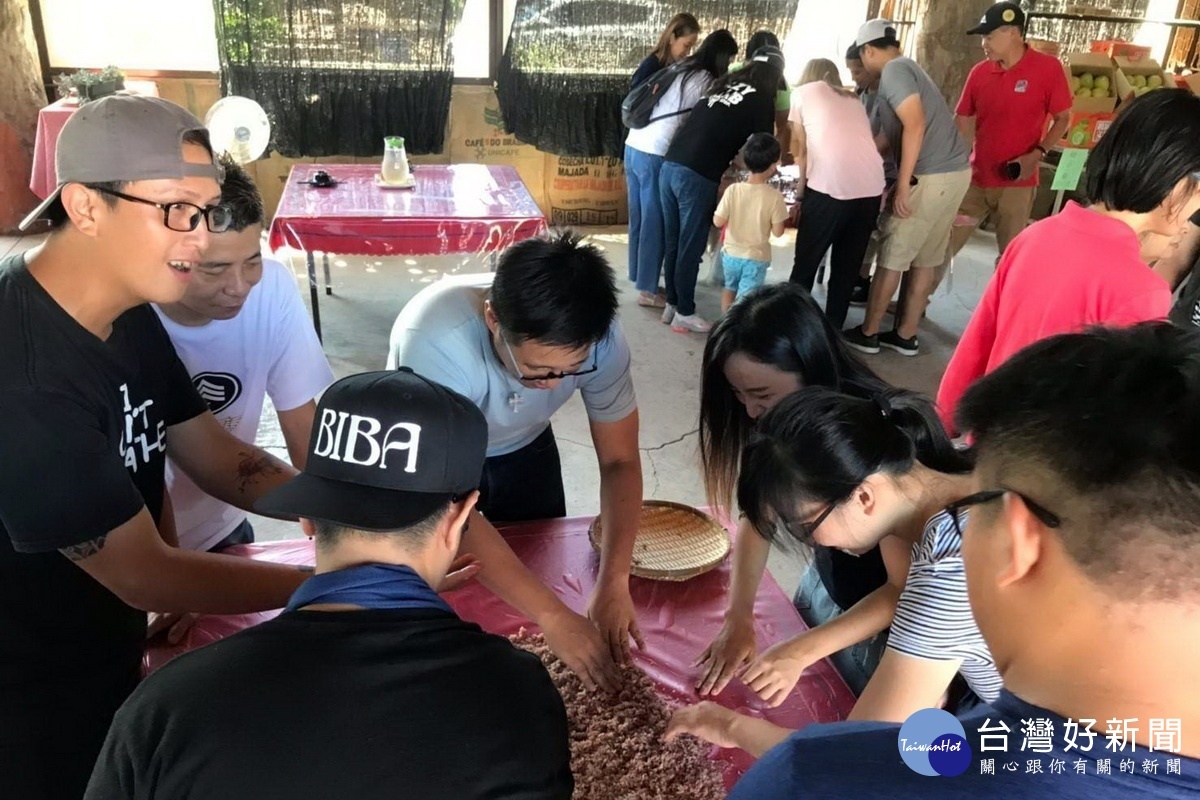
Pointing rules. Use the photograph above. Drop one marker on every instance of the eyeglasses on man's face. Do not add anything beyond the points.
(180, 216)
(1044, 515)
(549, 376)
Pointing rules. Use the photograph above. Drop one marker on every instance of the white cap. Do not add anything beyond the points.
(875, 29)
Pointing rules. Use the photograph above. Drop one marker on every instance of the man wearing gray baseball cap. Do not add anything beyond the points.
(92, 401)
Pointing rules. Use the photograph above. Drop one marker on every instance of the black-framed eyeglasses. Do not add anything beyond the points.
(1044, 515)
(804, 531)
(181, 216)
(549, 376)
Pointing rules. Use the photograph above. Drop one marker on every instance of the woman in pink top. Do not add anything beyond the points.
(1088, 266)
(842, 180)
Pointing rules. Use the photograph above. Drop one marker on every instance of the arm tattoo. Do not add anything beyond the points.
(255, 465)
(84, 550)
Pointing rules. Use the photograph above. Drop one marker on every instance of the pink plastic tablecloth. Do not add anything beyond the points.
(50, 124)
(678, 620)
(458, 208)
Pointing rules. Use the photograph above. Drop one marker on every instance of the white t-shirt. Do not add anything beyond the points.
(270, 348)
(933, 619)
(442, 336)
(684, 93)
(843, 160)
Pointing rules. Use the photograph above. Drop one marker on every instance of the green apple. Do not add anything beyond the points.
(1154, 81)
(1083, 91)
(1137, 81)
(1100, 91)
(1100, 82)
(1074, 84)
(1087, 80)
(1079, 136)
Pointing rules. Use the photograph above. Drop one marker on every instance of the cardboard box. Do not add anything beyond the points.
(1146, 68)
(1045, 46)
(1114, 48)
(1096, 65)
(1085, 130)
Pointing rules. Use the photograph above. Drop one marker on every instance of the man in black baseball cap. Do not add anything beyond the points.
(368, 685)
(93, 399)
(1014, 108)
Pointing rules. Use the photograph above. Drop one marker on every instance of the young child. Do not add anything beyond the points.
(750, 213)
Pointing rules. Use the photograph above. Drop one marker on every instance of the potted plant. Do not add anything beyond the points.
(88, 85)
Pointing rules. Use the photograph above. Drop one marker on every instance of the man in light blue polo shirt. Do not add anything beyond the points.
(519, 348)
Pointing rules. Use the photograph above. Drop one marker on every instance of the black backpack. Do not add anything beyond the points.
(637, 108)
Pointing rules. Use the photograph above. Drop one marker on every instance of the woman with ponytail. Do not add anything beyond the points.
(852, 473)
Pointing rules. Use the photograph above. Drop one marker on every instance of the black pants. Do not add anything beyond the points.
(524, 485)
(844, 225)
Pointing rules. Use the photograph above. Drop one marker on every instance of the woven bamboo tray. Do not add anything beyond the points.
(674, 542)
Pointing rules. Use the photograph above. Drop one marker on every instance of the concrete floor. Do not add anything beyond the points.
(368, 293)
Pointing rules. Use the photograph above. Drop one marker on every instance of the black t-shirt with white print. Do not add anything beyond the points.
(718, 127)
(82, 447)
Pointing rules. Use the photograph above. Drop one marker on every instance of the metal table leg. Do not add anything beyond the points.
(313, 294)
(328, 284)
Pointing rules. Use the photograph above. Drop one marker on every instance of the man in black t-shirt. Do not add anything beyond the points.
(92, 400)
(369, 685)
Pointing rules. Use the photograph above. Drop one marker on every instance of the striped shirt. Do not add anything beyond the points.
(933, 618)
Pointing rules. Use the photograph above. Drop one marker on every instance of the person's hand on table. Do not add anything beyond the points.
(176, 625)
(774, 674)
(902, 201)
(462, 571)
(729, 653)
(581, 646)
(707, 721)
(611, 609)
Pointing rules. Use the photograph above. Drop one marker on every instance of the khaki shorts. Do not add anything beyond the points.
(1008, 206)
(921, 240)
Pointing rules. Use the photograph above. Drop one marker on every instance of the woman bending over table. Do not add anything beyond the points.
(852, 474)
(770, 344)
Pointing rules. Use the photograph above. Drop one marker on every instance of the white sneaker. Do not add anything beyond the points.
(692, 323)
(668, 314)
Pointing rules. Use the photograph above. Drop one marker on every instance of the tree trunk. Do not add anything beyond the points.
(943, 47)
(21, 96)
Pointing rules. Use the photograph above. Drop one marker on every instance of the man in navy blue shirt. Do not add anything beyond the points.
(1083, 566)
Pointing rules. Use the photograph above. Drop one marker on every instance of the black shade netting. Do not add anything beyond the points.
(336, 78)
(568, 63)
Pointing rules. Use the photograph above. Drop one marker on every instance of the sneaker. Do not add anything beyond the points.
(892, 340)
(691, 323)
(649, 300)
(859, 294)
(668, 315)
(860, 341)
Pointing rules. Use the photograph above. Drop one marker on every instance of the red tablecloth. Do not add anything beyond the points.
(458, 208)
(678, 621)
(50, 123)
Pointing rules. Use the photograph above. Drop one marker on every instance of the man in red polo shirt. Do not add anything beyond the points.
(1015, 106)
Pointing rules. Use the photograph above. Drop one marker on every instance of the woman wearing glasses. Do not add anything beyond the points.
(544, 330)
(853, 473)
(770, 344)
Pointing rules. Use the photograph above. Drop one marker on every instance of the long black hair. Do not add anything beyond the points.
(1152, 145)
(762, 75)
(713, 54)
(818, 446)
(762, 39)
(782, 326)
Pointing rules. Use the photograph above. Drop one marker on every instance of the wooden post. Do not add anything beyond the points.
(21, 96)
(943, 47)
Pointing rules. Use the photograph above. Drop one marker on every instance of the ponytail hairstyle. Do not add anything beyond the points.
(818, 446)
(779, 325)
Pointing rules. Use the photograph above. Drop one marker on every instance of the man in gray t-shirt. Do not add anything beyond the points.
(933, 174)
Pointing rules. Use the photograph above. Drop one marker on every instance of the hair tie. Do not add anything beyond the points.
(884, 405)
